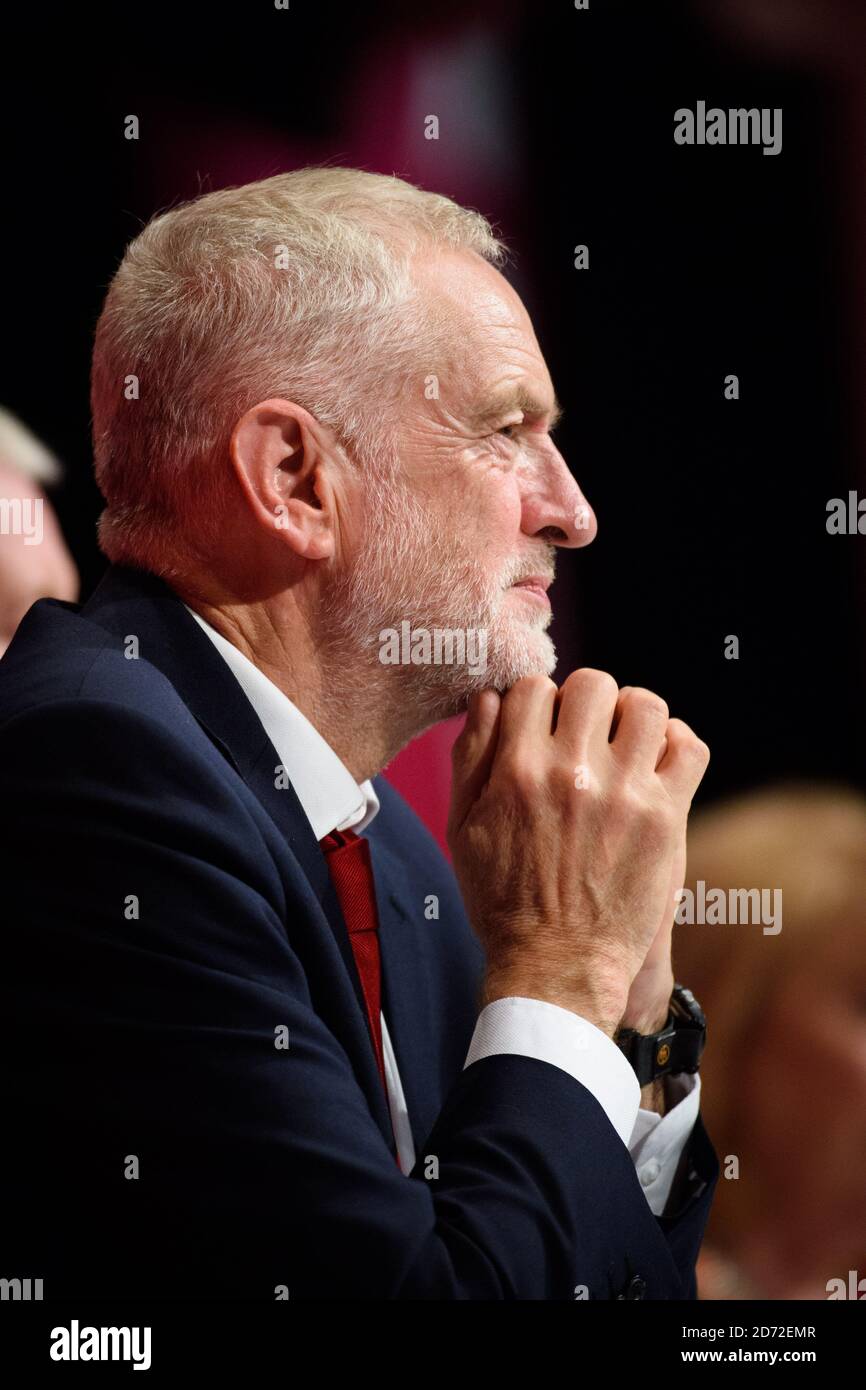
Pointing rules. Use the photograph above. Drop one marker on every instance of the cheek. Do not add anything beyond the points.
(485, 505)
(498, 507)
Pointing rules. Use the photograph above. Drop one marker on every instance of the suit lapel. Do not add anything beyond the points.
(129, 602)
(406, 993)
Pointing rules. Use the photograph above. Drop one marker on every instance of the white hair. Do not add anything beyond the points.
(20, 449)
(297, 286)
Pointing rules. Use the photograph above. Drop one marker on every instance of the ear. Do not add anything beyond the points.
(282, 458)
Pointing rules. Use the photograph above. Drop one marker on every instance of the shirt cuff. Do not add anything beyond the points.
(535, 1028)
(657, 1141)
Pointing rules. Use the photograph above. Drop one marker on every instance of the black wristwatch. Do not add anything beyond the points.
(676, 1048)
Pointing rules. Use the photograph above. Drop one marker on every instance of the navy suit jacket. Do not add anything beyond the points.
(167, 913)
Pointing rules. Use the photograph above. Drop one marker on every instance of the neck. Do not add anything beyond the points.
(343, 693)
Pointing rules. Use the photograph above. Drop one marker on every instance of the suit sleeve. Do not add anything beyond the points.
(165, 1145)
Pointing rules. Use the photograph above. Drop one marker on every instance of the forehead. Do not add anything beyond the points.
(492, 343)
(471, 291)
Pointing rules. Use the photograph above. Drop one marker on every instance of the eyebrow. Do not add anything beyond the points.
(517, 398)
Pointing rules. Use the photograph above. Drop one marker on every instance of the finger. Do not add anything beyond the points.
(526, 721)
(585, 710)
(473, 751)
(685, 760)
(641, 727)
(623, 691)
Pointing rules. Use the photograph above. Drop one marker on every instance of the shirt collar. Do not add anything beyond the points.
(330, 796)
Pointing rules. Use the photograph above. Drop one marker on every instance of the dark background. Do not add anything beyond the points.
(559, 125)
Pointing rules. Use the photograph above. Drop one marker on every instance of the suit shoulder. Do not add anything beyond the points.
(58, 658)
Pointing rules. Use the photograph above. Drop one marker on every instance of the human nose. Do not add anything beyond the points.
(555, 509)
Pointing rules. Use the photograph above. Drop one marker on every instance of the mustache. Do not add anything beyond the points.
(544, 569)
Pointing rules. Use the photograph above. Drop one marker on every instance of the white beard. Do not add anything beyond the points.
(417, 571)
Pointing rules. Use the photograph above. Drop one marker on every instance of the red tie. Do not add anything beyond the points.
(348, 858)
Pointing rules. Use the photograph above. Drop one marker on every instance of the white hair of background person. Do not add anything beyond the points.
(20, 449)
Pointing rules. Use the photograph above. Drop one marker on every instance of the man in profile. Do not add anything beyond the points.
(260, 1040)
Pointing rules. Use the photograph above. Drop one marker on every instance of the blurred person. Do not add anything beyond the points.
(288, 1052)
(34, 560)
(785, 1073)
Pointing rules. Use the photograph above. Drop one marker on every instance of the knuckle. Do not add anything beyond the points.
(649, 702)
(688, 740)
(700, 751)
(520, 773)
(592, 682)
(681, 729)
(536, 683)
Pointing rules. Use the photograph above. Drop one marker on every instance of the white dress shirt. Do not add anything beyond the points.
(333, 800)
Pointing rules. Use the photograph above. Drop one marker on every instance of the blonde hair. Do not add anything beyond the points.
(297, 286)
(809, 840)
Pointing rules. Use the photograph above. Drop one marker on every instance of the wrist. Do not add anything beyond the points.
(675, 1046)
(599, 1005)
(647, 1008)
(652, 1021)
(653, 1096)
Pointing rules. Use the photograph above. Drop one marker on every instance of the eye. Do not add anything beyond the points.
(506, 430)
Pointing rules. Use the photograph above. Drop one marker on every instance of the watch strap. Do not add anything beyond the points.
(677, 1047)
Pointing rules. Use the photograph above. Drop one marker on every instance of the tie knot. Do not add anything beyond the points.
(337, 839)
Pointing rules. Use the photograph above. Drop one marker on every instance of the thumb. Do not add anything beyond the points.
(472, 755)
